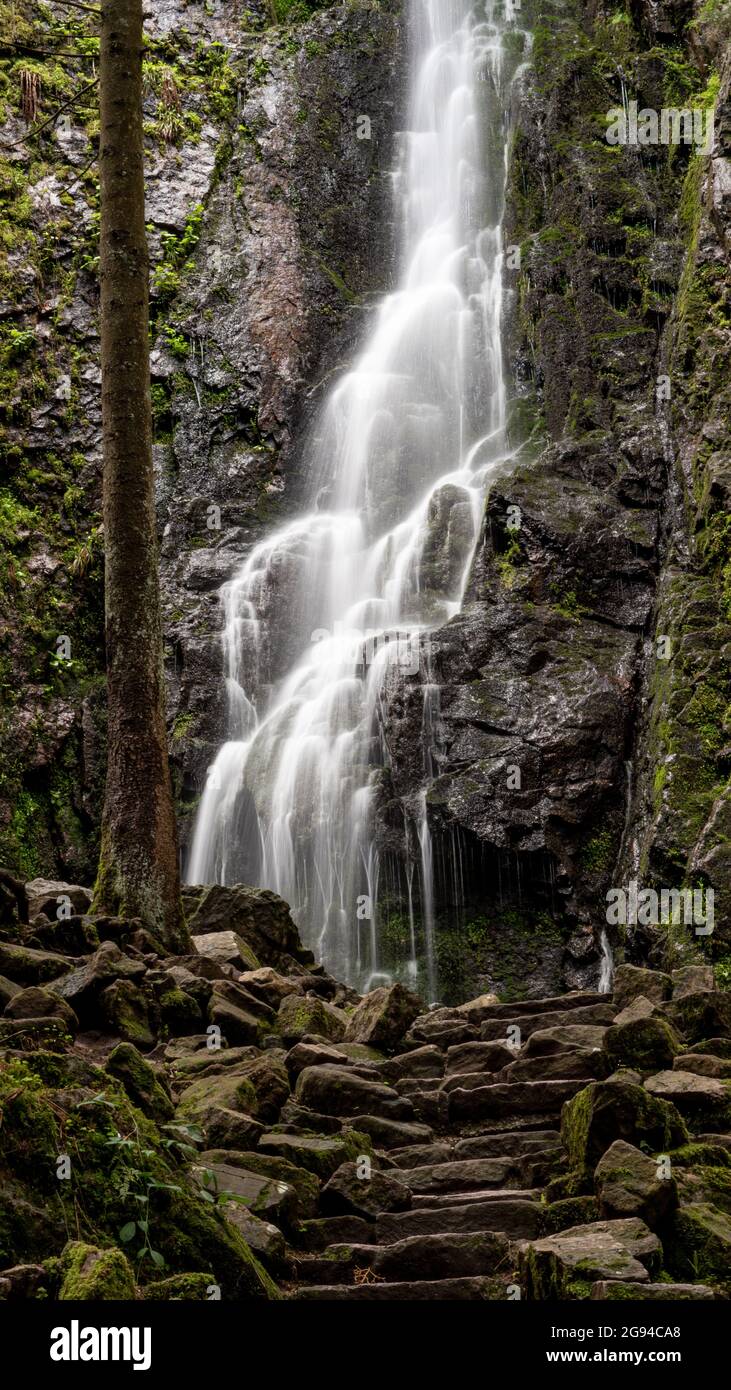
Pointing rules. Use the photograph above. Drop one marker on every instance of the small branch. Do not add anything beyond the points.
(55, 114)
(25, 50)
(78, 5)
(85, 170)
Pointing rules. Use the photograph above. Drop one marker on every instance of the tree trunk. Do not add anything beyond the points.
(138, 872)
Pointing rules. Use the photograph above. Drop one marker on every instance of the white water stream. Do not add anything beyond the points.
(397, 467)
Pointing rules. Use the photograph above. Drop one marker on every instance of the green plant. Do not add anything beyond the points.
(137, 1182)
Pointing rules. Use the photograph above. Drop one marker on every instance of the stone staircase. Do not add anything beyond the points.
(467, 1186)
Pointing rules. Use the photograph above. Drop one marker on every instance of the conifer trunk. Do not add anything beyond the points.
(139, 871)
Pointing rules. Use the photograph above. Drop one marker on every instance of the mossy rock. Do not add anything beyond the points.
(97, 1275)
(706, 1014)
(229, 1089)
(699, 1155)
(55, 1105)
(299, 1015)
(630, 1183)
(569, 1211)
(180, 1014)
(697, 1244)
(179, 1288)
(126, 1011)
(645, 1044)
(140, 1082)
(617, 1109)
(305, 1184)
(578, 1183)
(707, 1184)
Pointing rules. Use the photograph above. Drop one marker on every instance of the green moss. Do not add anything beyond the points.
(140, 1081)
(604, 1111)
(182, 726)
(179, 1288)
(575, 1122)
(121, 1167)
(599, 853)
(233, 1092)
(697, 1245)
(507, 561)
(569, 1211)
(645, 1045)
(97, 1275)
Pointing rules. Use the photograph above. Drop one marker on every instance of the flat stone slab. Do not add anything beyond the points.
(518, 1218)
(508, 1144)
(475, 1290)
(478, 1056)
(388, 1134)
(689, 1092)
(504, 1099)
(461, 1176)
(551, 1004)
(320, 1156)
(340, 1091)
(446, 1255)
(602, 1250)
(597, 1015)
(578, 1037)
(653, 1293)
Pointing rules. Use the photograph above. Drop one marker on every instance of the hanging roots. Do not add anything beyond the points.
(170, 92)
(170, 123)
(30, 94)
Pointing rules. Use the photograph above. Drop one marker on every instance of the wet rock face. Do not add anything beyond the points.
(269, 229)
(555, 752)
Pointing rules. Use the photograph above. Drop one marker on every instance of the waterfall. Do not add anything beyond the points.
(333, 610)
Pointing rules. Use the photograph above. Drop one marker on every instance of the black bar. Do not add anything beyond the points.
(207, 1341)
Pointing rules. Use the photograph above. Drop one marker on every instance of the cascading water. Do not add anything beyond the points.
(324, 611)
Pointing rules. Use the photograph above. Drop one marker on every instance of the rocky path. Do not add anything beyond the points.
(472, 1182)
(463, 1175)
(576, 1147)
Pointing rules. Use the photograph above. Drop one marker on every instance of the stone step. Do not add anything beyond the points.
(507, 1144)
(516, 1215)
(315, 1235)
(420, 1155)
(436, 1290)
(340, 1091)
(461, 1176)
(467, 1081)
(579, 1037)
(560, 1066)
(653, 1293)
(443, 1255)
(504, 1099)
(439, 1201)
(415, 1086)
(423, 1061)
(564, 1003)
(478, 1056)
(337, 1264)
(496, 1029)
(438, 1255)
(388, 1134)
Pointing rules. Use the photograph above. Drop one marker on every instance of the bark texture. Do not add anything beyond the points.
(139, 871)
